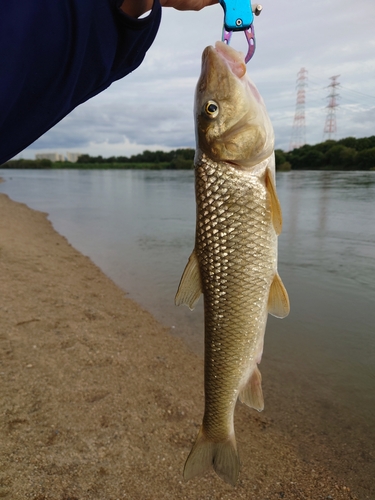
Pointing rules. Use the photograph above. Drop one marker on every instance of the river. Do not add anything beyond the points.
(319, 363)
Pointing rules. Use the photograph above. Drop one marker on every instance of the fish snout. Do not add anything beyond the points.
(222, 59)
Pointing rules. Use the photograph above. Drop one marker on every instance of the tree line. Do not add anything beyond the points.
(178, 159)
(345, 154)
(174, 158)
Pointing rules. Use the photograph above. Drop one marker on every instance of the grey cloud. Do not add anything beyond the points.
(154, 105)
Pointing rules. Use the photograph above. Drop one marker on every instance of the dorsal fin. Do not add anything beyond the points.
(190, 287)
(278, 300)
(277, 218)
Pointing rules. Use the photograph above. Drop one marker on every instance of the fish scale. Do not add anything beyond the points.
(234, 325)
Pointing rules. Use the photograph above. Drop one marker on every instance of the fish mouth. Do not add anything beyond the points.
(218, 63)
(223, 53)
(235, 59)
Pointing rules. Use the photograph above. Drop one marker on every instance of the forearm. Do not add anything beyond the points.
(77, 56)
(135, 8)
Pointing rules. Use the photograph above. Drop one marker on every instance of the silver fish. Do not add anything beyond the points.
(234, 262)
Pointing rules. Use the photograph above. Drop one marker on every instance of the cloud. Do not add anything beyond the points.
(153, 107)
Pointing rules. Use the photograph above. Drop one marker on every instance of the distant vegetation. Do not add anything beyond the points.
(157, 160)
(345, 154)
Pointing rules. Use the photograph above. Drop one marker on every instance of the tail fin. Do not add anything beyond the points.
(222, 456)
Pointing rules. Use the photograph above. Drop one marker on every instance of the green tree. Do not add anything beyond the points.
(84, 159)
(340, 157)
(349, 142)
(366, 159)
(313, 159)
(364, 143)
(305, 158)
(280, 157)
(325, 146)
(181, 163)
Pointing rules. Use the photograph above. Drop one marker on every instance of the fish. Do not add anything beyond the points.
(234, 261)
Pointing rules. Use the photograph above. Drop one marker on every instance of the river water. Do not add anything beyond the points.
(319, 363)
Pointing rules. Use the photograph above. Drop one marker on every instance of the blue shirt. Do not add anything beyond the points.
(56, 54)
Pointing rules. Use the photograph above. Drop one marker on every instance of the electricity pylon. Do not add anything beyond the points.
(298, 137)
(330, 127)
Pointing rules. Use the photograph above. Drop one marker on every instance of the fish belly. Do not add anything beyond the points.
(236, 247)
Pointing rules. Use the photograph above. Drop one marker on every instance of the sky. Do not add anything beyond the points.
(153, 107)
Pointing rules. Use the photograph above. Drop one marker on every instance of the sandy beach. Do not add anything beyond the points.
(99, 401)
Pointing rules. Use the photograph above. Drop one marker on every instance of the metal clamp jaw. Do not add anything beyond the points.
(239, 16)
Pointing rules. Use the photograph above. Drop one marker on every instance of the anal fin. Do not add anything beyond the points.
(190, 287)
(278, 300)
(252, 394)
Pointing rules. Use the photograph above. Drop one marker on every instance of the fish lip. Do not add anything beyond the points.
(228, 53)
(222, 53)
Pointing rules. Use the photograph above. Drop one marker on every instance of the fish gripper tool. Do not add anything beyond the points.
(239, 16)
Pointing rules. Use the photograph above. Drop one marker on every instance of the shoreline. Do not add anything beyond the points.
(99, 401)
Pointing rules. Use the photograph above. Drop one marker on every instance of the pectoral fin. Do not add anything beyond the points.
(277, 219)
(252, 394)
(278, 300)
(190, 287)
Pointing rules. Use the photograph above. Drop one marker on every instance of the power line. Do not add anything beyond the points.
(357, 92)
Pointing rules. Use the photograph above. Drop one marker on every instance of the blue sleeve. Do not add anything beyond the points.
(54, 55)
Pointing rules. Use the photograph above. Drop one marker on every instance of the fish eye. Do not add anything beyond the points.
(212, 109)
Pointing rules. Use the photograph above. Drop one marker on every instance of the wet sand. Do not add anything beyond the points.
(99, 401)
